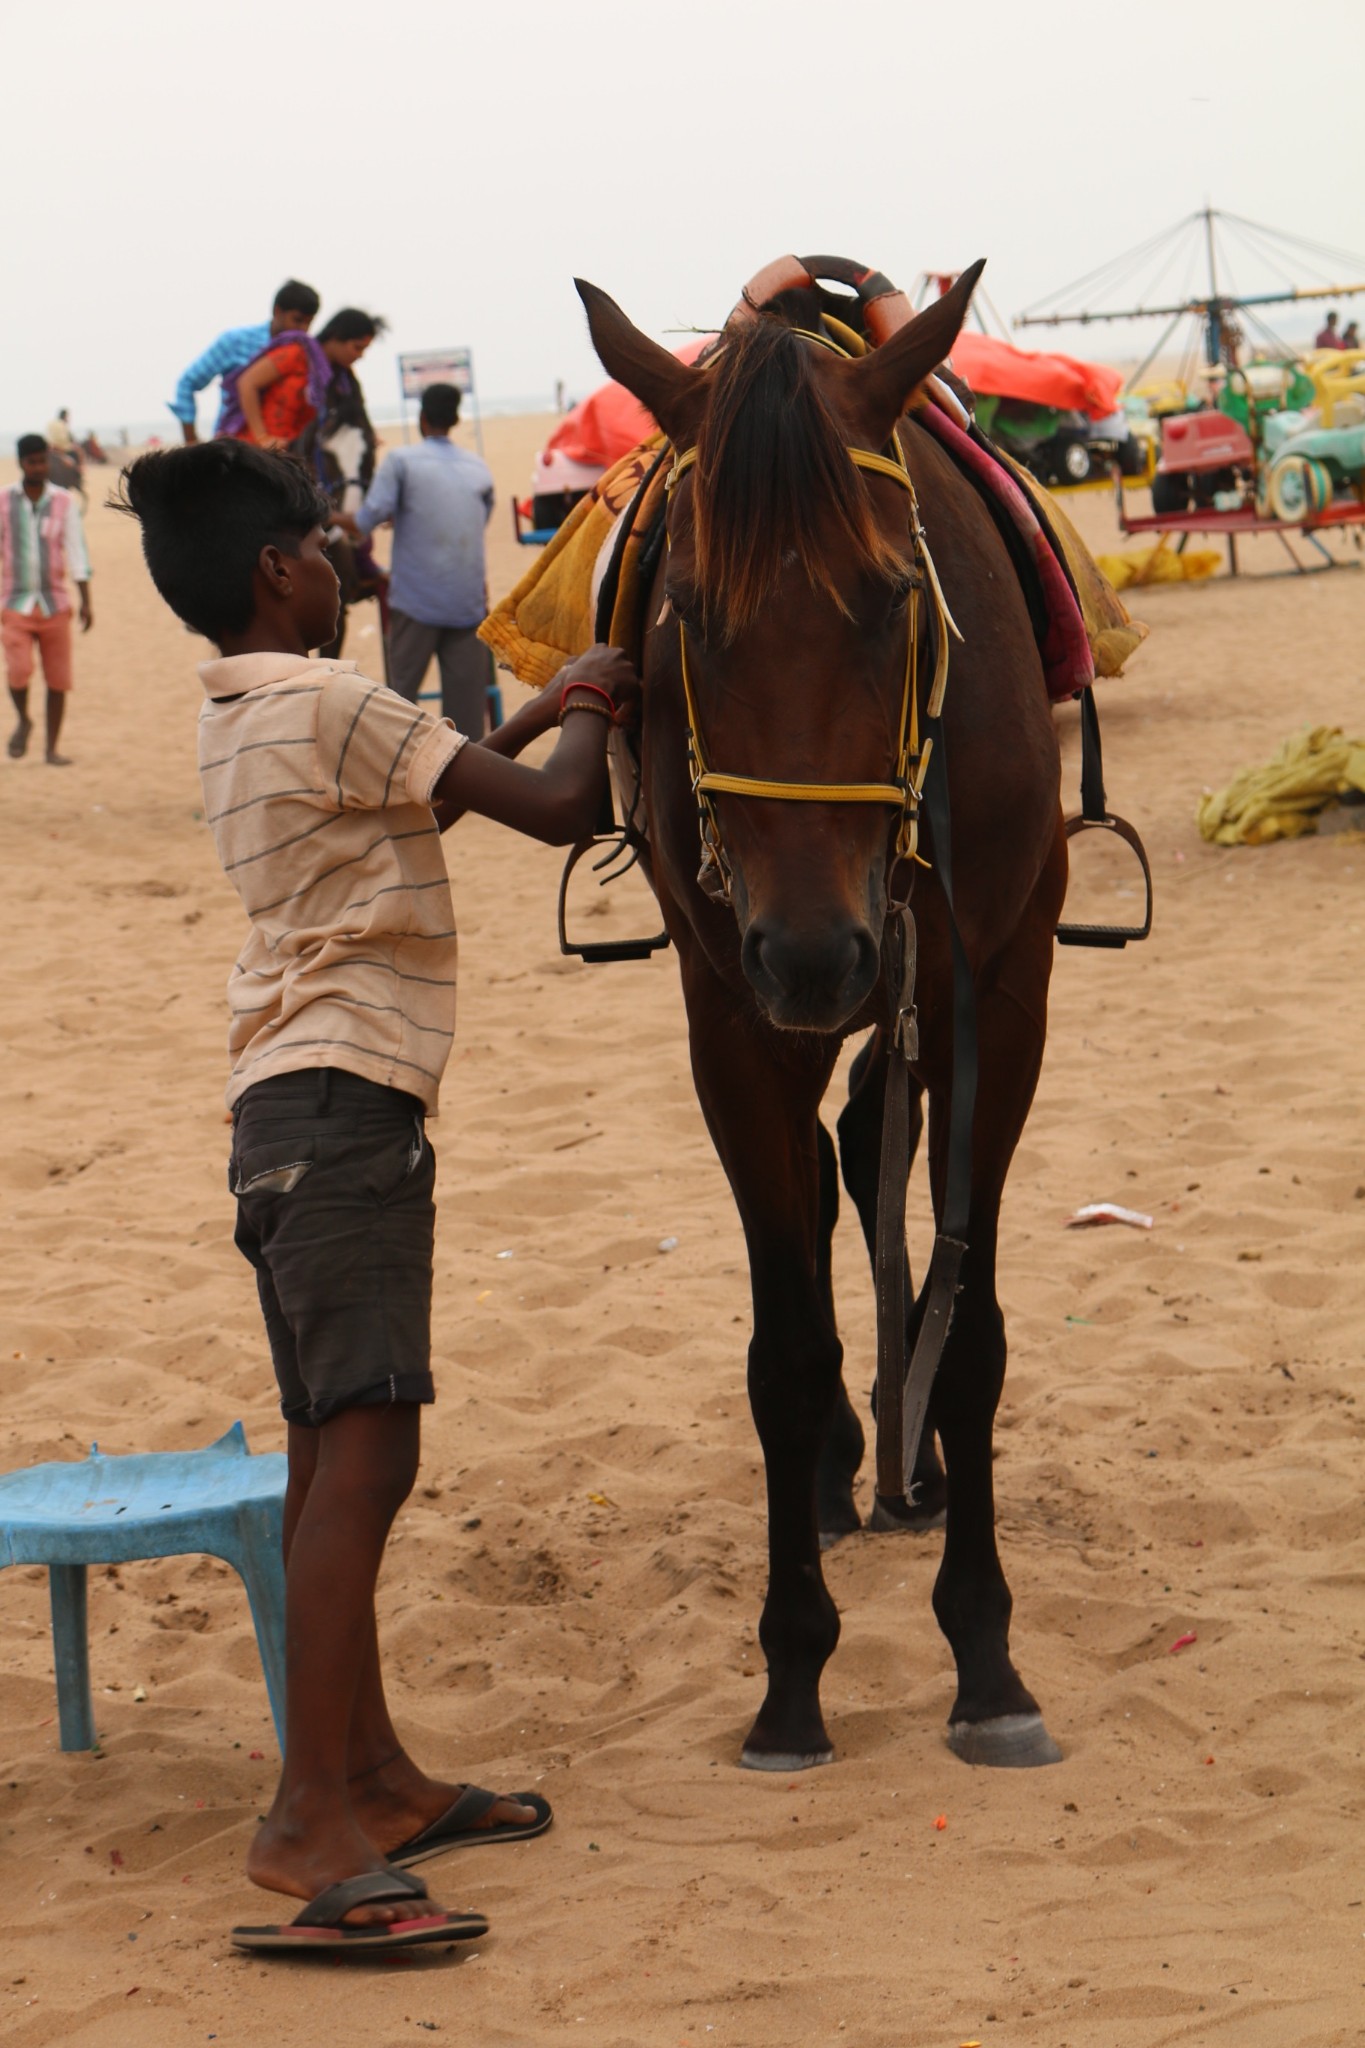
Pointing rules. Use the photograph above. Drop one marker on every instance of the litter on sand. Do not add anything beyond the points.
(1109, 1212)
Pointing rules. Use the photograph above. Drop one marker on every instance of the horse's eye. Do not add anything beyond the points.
(900, 594)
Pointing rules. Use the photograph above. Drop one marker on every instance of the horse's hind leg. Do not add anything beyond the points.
(995, 1718)
(841, 1453)
(860, 1152)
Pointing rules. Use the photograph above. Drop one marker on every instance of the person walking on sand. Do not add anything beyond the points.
(42, 552)
(294, 311)
(326, 794)
(440, 499)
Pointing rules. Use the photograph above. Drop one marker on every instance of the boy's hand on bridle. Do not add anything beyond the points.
(608, 669)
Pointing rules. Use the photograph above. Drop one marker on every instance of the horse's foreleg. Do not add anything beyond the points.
(760, 1094)
(860, 1152)
(995, 1718)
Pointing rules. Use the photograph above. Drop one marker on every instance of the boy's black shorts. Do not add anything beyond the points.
(333, 1176)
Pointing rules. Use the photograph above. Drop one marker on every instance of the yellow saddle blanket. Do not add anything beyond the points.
(549, 616)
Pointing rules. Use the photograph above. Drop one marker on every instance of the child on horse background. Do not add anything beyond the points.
(287, 386)
(326, 794)
(295, 309)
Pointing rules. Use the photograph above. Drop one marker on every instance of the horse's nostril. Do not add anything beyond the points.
(820, 968)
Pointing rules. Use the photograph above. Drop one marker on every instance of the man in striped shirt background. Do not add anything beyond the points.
(294, 311)
(42, 552)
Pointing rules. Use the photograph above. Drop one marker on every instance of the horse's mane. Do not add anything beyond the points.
(773, 480)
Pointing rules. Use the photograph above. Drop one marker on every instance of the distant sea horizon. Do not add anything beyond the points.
(139, 432)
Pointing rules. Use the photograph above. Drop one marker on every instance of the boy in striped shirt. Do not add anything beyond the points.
(327, 793)
(42, 552)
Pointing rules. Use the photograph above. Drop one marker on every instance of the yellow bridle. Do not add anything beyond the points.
(912, 761)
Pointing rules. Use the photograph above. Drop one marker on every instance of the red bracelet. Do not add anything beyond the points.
(597, 691)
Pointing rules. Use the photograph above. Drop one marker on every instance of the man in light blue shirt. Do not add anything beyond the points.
(295, 307)
(439, 498)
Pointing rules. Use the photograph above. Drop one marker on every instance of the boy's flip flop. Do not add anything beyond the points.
(318, 1930)
(460, 1825)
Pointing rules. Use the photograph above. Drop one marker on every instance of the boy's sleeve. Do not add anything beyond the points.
(216, 358)
(375, 749)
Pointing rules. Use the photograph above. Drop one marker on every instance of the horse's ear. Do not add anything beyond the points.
(671, 390)
(883, 381)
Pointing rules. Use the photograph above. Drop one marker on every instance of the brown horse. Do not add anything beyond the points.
(783, 602)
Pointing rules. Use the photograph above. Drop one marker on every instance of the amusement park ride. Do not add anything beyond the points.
(1278, 445)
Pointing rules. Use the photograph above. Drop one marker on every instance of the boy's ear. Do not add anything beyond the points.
(273, 564)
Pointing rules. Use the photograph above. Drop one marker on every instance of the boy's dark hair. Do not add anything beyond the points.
(350, 324)
(30, 444)
(441, 405)
(206, 512)
(293, 297)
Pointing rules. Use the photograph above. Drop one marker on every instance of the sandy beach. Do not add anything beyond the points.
(572, 1593)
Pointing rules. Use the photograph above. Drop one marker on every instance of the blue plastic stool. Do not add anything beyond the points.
(219, 1500)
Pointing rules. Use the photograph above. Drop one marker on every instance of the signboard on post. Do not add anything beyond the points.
(417, 372)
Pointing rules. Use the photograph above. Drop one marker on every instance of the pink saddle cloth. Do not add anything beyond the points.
(1064, 646)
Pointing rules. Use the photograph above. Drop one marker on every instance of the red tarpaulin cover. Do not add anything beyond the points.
(996, 370)
(609, 422)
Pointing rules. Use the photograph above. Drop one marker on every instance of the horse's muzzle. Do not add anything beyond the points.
(810, 980)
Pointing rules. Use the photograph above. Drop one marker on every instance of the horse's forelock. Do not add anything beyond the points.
(774, 483)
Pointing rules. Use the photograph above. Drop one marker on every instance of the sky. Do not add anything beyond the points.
(454, 166)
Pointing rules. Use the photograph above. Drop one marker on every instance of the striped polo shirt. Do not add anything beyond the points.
(318, 786)
(41, 547)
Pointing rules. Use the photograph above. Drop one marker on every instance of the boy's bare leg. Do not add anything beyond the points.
(362, 1470)
(55, 710)
(18, 739)
(391, 1797)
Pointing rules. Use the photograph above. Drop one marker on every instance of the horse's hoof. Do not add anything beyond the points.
(829, 1537)
(901, 1520)
(1012, 1742)
(784, 1760)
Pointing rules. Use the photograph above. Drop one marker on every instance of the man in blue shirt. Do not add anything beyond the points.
(439, 498)
(295, 308)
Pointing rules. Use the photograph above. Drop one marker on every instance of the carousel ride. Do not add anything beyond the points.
(1254, 435)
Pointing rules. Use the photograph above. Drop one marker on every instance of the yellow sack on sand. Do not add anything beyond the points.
(1282, 799)
(1160, 564)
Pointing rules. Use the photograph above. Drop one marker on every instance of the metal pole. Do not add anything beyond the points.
(1145, 365)
(478, 416)
(1213, 340)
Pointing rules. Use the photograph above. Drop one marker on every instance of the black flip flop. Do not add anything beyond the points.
(458, 1826)
(318, 1930)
